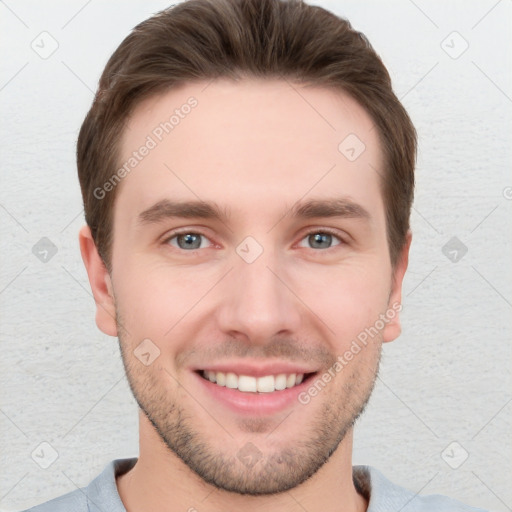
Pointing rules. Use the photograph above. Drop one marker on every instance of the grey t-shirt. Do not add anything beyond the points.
(101, 494)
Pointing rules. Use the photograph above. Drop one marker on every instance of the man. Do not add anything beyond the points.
(247, 175)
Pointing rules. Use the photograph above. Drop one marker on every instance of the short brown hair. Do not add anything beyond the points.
(200, 40)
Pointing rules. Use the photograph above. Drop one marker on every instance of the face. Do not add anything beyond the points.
(250, 255)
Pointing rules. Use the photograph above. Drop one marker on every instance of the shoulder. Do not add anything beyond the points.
(74, 501)
(383, 495)
(100, 495)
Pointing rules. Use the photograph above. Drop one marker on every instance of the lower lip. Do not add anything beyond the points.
(253, 403)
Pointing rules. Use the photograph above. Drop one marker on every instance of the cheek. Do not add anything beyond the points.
(347, 300)
(148, 301)
(157, 300)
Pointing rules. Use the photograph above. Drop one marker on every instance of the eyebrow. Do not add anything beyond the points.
(166, 208)
(313, 208)
(336, 207)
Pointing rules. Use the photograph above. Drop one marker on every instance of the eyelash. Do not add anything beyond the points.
(325, 231)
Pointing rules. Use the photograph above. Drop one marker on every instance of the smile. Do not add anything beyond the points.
(250, 384)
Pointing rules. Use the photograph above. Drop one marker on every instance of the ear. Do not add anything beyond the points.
(393, 327)
(100, 282)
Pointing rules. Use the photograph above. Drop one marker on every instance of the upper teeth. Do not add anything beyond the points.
(265, 384)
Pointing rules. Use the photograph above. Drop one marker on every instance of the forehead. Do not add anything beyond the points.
(249, 145)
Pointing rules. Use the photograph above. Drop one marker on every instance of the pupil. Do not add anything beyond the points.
(190, 241)
(318, 238)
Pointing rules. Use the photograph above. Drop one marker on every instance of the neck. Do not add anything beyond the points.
(161, 481)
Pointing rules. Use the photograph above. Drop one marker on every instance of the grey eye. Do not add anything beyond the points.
(320, 240)
(186, 241)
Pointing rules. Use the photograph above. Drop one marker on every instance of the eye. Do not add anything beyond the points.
(321, 239)
(187, 240)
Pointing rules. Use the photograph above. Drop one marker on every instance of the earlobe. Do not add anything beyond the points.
(101, 284)
(393, 327)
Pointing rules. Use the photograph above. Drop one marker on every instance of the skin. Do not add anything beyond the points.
(255, 148)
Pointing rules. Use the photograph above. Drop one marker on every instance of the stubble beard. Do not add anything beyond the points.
(279, 467)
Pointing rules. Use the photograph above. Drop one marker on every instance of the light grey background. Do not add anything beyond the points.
(447, 379)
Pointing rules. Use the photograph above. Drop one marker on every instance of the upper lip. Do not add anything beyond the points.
(255, 369)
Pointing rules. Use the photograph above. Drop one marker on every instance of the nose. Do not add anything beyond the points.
(257, 301)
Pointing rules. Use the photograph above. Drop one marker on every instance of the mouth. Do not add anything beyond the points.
(254, 396)
(255, 388)
(271, 383)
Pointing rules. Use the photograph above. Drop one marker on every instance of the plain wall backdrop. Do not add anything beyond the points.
(439, 419)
